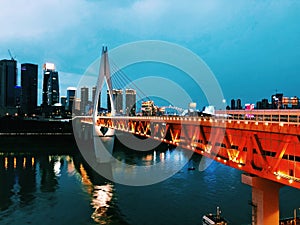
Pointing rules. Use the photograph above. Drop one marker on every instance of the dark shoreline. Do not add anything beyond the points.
(53, 144)
(22, 127)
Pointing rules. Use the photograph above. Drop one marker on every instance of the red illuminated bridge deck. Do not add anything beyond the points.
(263, 143)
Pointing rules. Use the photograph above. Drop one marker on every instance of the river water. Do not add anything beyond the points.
(54, 186)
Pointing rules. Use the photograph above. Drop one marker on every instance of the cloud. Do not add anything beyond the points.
(35, 19)
(229, 35)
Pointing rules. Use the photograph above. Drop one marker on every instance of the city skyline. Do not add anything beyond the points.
(250, 46)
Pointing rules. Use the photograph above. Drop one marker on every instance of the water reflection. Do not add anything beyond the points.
(17, 180)
(38, 180)
(101, 192)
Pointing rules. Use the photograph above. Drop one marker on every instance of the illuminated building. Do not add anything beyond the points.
(50, 85)
(148, 108)
(130, 102)
(276, 101)
(29, 76)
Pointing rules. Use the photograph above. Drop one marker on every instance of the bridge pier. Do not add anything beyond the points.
(265, 199)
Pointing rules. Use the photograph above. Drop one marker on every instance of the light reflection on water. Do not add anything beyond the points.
(62, 189)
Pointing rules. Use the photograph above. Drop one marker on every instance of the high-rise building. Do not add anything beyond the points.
(63, 101)
(8, 81)
(232, 104)
(130, 102)
(50, 85)
(276, 101)
(71, 93)
(84, 97)
(239, 104)
(117, 97)
(264, 103)
(29, 76)
(94, 89)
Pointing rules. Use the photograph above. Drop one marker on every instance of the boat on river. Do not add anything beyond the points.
(214, 219)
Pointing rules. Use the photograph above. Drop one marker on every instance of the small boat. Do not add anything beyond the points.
(214, 219)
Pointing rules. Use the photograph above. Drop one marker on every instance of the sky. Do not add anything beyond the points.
(252, 47)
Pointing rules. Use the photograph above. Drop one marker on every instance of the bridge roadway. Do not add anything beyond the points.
(265, 144)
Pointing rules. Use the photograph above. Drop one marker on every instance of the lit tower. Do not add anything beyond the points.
(50, 85)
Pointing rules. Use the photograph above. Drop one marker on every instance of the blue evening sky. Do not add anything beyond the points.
(252, 47)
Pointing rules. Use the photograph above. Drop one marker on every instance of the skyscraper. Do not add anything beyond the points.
(232, 104)
(94, 95)
(63, 101)
(117, 97)
(8, 81)
(239, 104)
(71, 93)
(84, 97)
(130, 102)
(50, 85)
(29, 75)
(276, 101)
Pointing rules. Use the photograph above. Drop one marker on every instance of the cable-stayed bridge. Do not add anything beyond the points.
(264, 145)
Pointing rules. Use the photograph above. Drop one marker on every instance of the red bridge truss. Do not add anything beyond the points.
(266, 143)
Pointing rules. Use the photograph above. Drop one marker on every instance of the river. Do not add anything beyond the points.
(53, 185)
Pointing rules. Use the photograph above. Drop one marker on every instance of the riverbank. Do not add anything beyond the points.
(17, 126)
(50, 144)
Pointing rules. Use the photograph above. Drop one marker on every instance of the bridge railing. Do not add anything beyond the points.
(277, 116)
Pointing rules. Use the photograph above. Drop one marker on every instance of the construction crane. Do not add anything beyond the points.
(9, 52)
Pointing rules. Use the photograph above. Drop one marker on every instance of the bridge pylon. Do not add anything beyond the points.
(103, 138)
(265, 199)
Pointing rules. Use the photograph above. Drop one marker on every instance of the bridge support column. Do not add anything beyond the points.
(265, 200)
